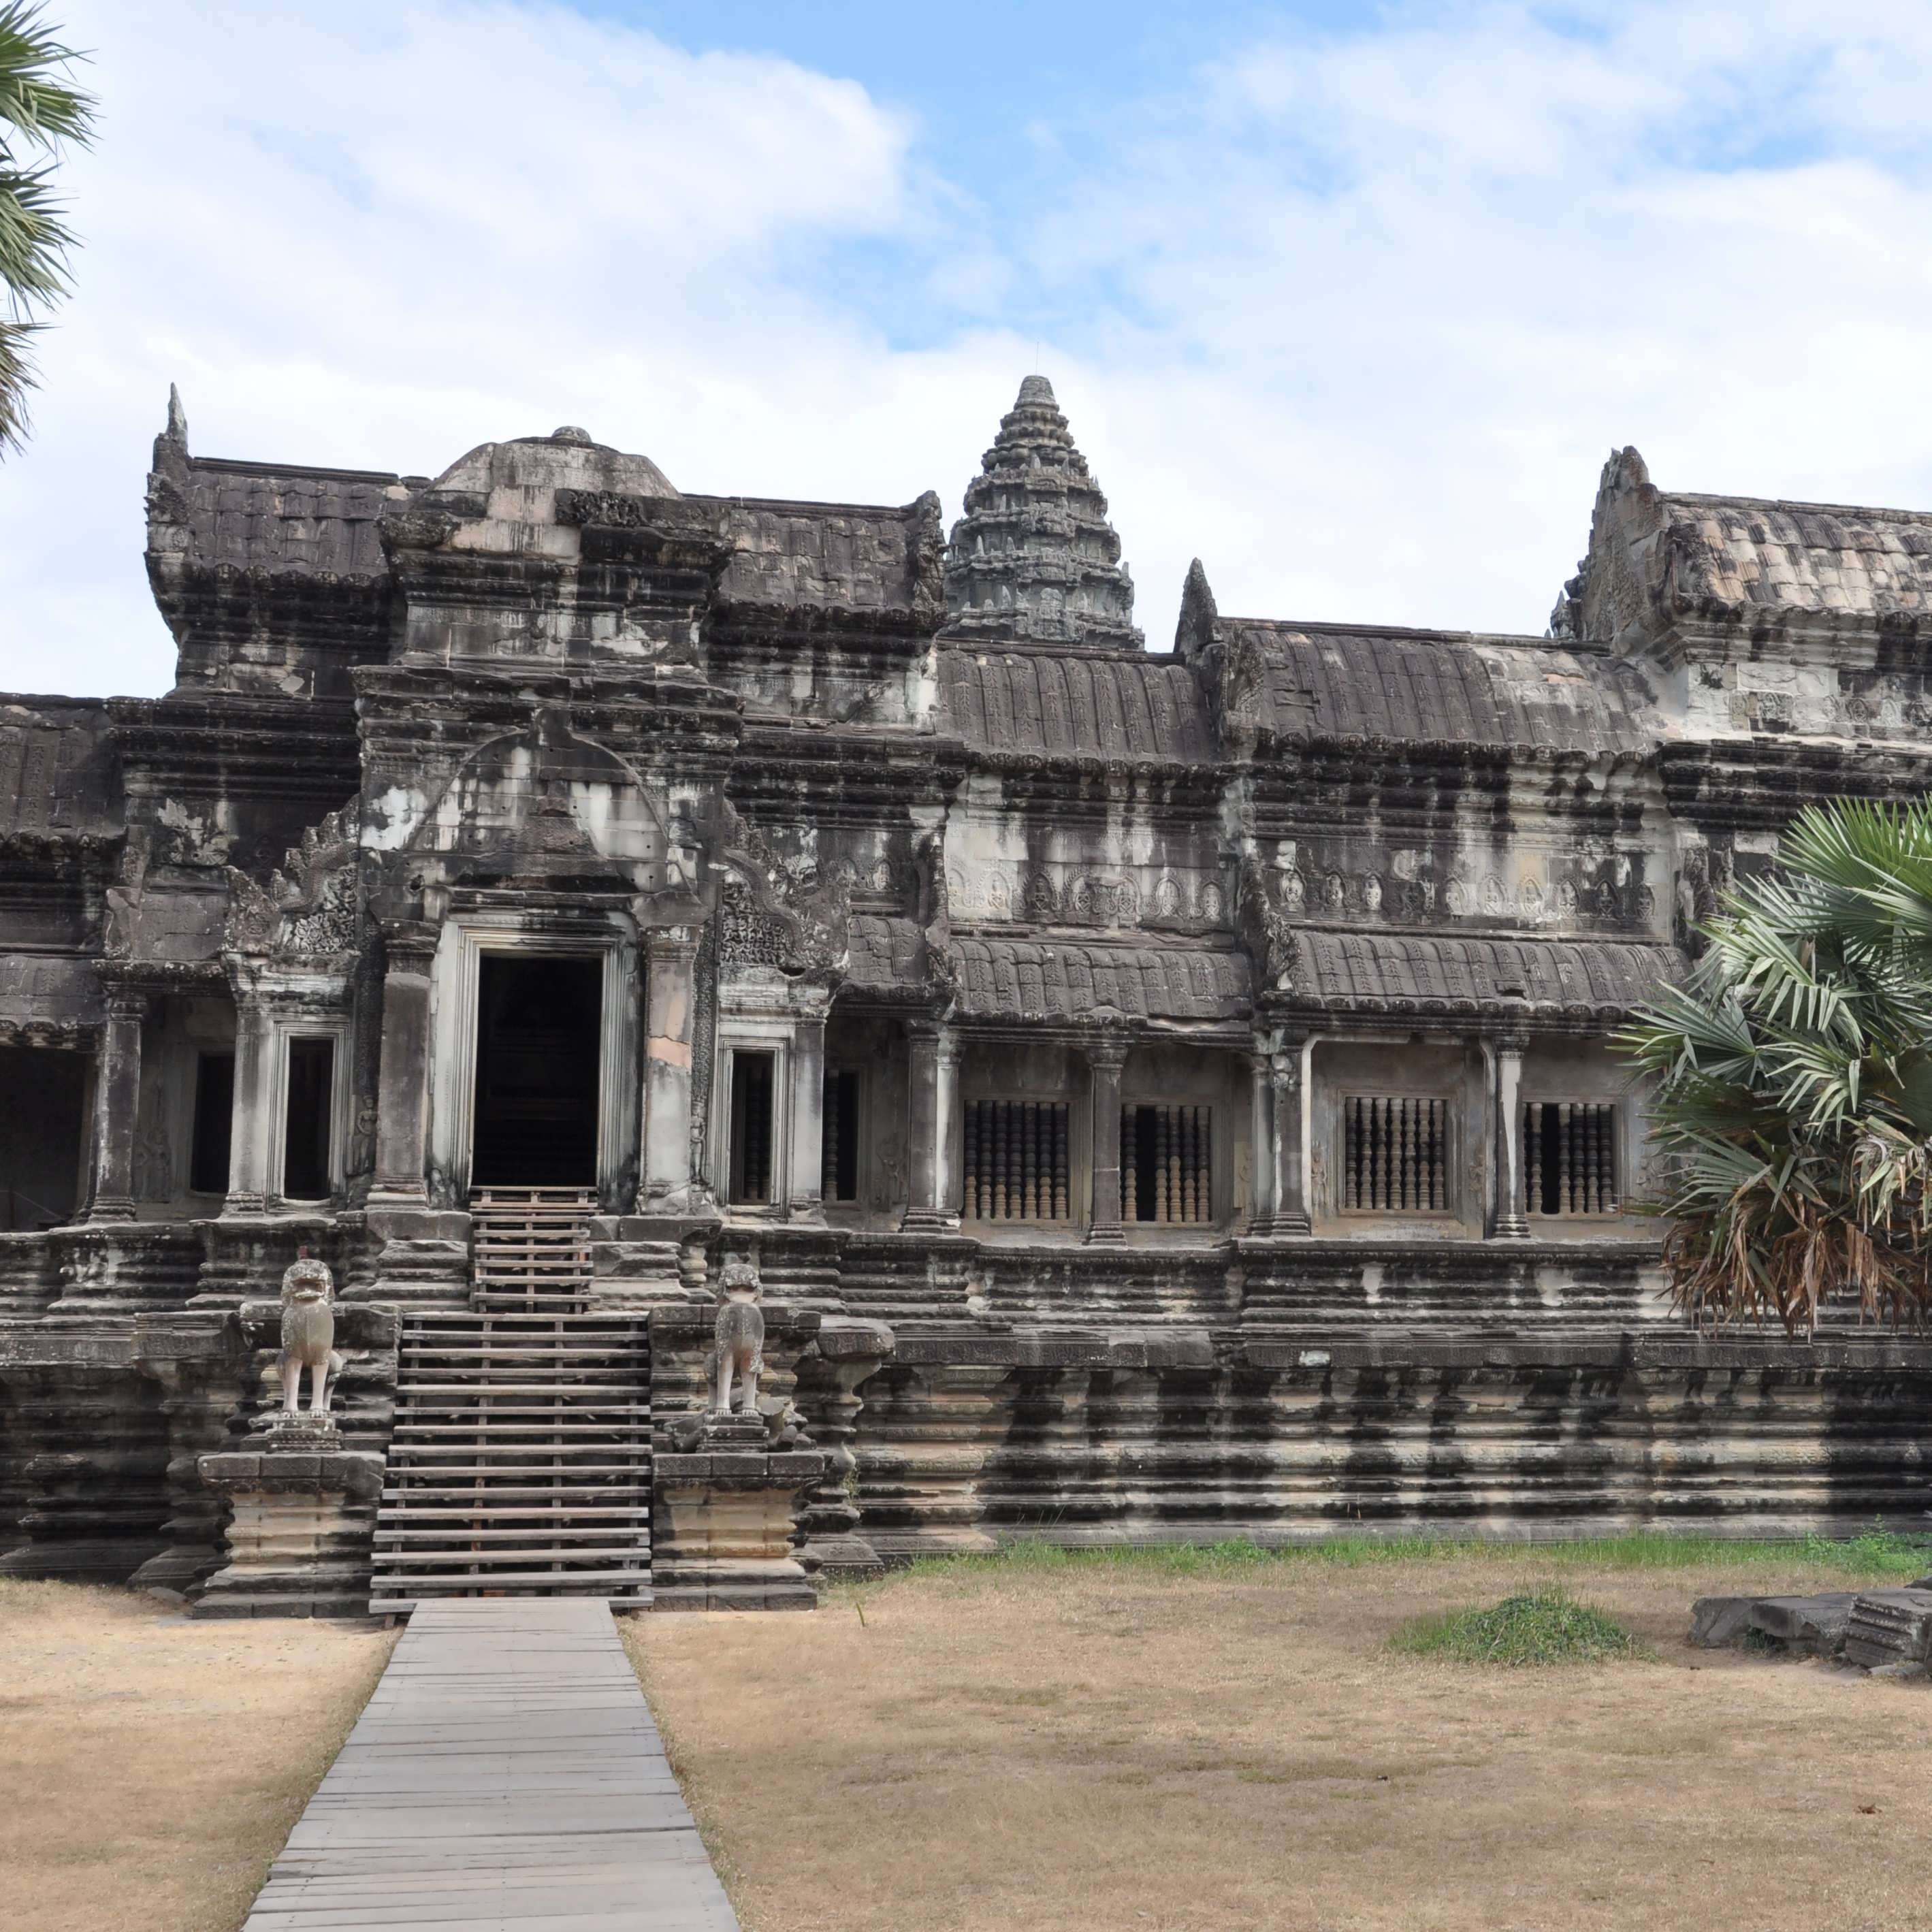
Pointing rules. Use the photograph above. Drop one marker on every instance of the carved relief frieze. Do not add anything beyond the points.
(1546, 887)
(1071, 895)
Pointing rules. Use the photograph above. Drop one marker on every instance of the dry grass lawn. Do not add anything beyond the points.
(151, 1767)
(1047, 1744)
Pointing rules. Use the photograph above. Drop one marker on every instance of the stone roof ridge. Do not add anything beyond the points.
(812, 503)
(1034, 557)
(237, 466)
(1326, 627)
(1866, 512)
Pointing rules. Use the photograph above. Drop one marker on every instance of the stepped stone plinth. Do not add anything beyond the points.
(297, 1543)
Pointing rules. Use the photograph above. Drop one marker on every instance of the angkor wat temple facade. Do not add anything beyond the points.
(1198, 1061)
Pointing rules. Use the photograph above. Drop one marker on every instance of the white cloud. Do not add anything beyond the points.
(1354, 319)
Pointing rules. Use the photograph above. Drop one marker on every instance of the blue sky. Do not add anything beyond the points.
(1350, 301)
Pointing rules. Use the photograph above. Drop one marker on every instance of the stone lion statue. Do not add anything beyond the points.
(740, 1333)
(308, 1334)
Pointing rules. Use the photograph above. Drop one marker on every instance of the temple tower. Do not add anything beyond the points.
(1034, 558)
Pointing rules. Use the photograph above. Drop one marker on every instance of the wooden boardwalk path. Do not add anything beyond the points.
(505, 1775)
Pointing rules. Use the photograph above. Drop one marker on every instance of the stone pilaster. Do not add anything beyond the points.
(117, 1096)
(671, 1002)
(402, 1093)
(1105, 1056)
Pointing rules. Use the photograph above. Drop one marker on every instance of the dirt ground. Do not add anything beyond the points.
(151, 1767)
(1118, 1748)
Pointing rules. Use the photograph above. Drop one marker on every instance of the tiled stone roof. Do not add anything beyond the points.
(1373, 972)
(1657, 557)
(1054, 704)
(1816, 556)
(1052, 980)
(1315, 681)
(886, 955)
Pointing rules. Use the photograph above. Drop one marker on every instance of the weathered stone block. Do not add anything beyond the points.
(1889, 1626)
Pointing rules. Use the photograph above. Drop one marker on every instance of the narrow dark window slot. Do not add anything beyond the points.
(306, 1120)
(751, 1156)
(214, 1123)
(841, 1143)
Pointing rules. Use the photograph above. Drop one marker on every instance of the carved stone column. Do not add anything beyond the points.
(1105, 1056)
(248, 1185)
(671, 1005)
(403, 1093)
(1279, 1068)
(117, 1097)
(1512, 1221)
(805, 1164)
(931, 1126)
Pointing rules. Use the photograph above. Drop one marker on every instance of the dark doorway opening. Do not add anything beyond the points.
(43, 1117)
(750, 1179)
(305, 1138)
(537, 1033)
(214, 1123)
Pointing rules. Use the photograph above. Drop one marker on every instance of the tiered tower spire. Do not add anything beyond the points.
(1034, 558)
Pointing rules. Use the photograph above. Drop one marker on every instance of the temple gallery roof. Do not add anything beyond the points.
(1051, 979)
(1307, 682)
(1417, 973)
(1053, 704)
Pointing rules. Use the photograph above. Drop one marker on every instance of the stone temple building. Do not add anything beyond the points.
(1165, 1094)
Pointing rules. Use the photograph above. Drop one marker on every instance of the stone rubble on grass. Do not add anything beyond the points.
(1879, 1631)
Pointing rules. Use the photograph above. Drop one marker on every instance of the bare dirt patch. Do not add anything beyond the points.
(1124, 1747)
(151, 1767)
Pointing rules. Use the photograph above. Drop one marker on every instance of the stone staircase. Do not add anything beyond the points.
(520, 1461)
(532, 1248)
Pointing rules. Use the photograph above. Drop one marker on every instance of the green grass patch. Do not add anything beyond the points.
(1549, 1628)
(1875, 1554)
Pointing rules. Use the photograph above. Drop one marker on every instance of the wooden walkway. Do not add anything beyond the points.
(506, 1777)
